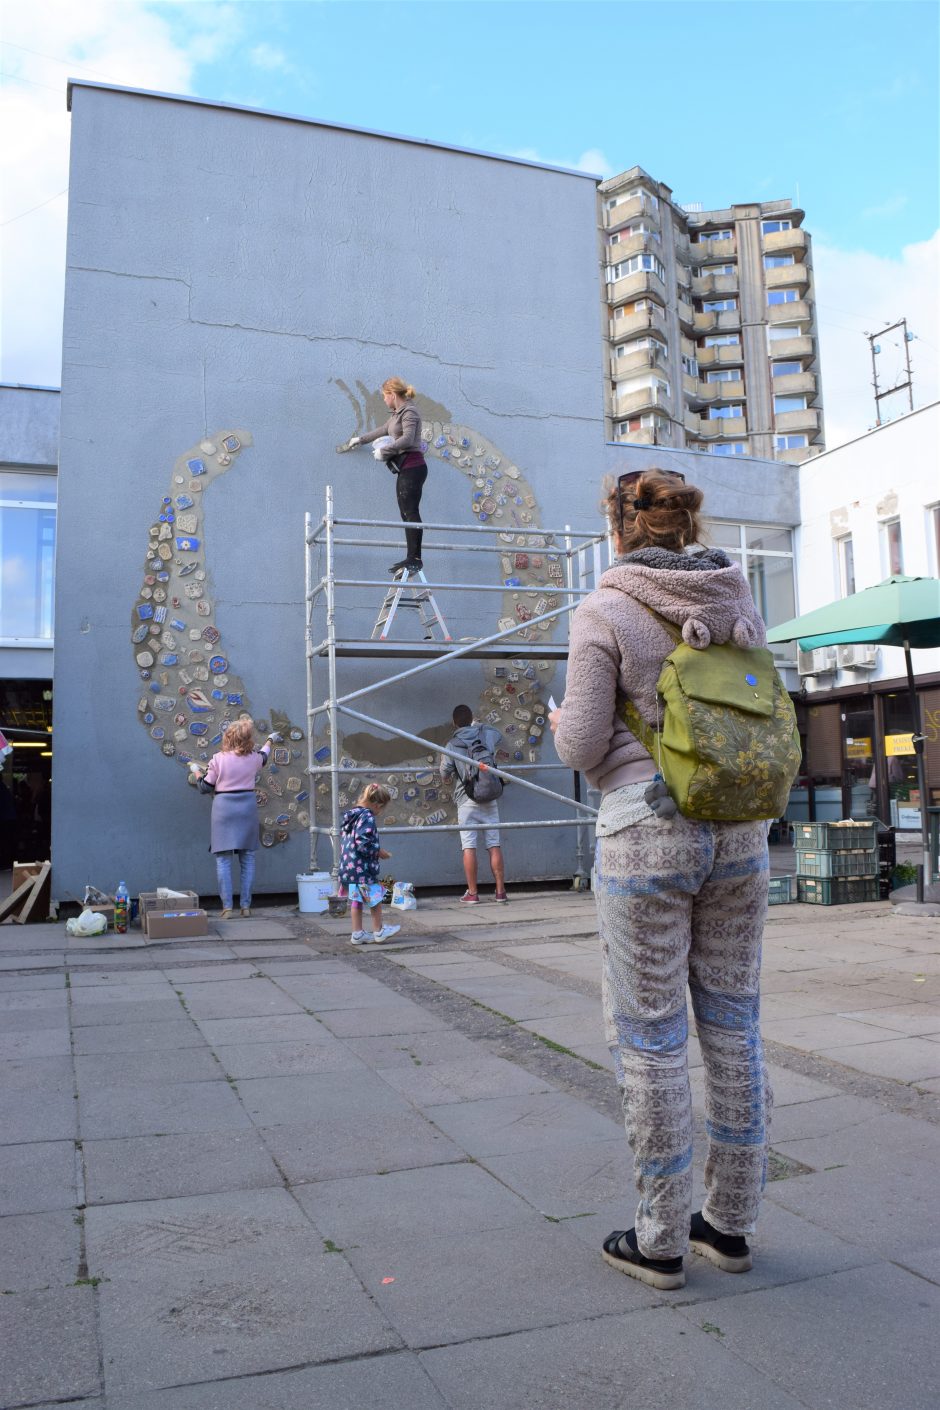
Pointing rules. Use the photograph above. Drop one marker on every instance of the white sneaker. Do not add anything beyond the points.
(360, 937)
(385, 933)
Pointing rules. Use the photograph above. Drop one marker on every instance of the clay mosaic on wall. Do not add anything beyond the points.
(191, 691)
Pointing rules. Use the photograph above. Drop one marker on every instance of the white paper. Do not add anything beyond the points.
(551, 703)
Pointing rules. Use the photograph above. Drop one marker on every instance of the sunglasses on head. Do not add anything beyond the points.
(627, 481)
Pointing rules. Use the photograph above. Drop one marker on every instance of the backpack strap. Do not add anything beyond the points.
(647, 734)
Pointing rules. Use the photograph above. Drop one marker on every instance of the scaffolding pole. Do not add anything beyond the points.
(582, 553)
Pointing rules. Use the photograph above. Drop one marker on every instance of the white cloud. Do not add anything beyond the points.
(857, 293)
(592, 161)
(45, 43)
(265, 56)
(892, 206)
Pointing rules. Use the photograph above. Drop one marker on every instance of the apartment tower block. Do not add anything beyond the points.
(711, 324)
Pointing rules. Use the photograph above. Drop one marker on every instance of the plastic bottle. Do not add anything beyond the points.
(121, 909)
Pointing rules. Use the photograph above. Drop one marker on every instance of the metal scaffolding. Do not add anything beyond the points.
(584, 555)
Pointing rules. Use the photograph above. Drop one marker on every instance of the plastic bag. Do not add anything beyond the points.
(403, 896)
(88, 923)
(381, 444)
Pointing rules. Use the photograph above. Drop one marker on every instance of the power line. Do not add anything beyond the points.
(34, 208)
(66, 63)
(18, 78)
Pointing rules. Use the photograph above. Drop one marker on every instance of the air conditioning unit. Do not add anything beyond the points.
(820, 662)
(857, 658)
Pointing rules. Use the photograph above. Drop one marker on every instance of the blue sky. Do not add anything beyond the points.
(834, 103)
(725, 102)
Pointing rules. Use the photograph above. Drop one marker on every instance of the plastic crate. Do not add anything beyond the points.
(837, 890)
(782, 890)
(837, 863)
(847, 836)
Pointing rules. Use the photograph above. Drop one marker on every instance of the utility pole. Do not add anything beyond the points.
(875, 346)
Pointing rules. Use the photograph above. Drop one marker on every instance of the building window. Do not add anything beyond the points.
(846, 559)
(785, 369)
(783, 296)
(27, 552)
(779, 331)
(706, 235)
(718, 413)
(782, 404)
(933, 538)
(892, 551)
(765, 554)
(639, 344)
(614, 201)
(772, 227)
(638, 423)
(719, 305)
(777, 261)
(723, 340)
(720, 269)
(724, 374)
(790, 442)
(690, 365)
(636, 264)
(727, 448)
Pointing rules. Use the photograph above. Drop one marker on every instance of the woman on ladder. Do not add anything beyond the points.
(405, 459)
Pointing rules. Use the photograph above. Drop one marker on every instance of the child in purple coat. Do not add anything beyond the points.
(360, 854)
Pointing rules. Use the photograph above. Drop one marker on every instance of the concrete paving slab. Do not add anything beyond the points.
(813, 1120)
(34, 1020)
(645, 1359)
(570, 1181)
(450, 1288)
(50, 1348)
(236, 998)
(241, 930)
(337, 991)
(24, 1118)
(37, 1176)
(179, 1032)
(17, 962)
(926, 1263)
(84, 996)
(522, 998)
(283, 1028)
(576, 1030)
(442, 1083)
(238, 1281)
(913, 1020)
(103, 944)
(344, 1146)
(164, 1066)
(39, 1074)
(901, 1059)
(412, 1204)
(32, 1001)
(21, 983)
(156, 1010)
(166, 1167)
(240, 1060)
(470, 969)
(168, 1108)
(506, 1125)
(888, 1206)
(300, 1100)
(816, 1032)
(226, 970)
(167, 954)
(400, 1017)
(39, 1250)
(395, 1379)
(280, 949)
(413, 1049)
(855, 1136)
(788, 1333)
(105, 978)
(312, 964)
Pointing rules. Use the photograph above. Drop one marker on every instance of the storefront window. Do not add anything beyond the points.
(901, 763)
(27, 553)
(765, 553)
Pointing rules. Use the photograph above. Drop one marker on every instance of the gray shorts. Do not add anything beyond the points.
(472, 816)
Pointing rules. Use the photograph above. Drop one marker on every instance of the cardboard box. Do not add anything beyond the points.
(106, 911)
(175, 925)
(150, 901)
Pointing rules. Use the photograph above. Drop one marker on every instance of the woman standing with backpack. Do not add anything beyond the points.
(681, 902)
(476, 793)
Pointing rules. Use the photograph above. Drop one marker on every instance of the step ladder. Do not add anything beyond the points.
(419, 598)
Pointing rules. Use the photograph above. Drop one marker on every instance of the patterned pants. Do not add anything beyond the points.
(682, 903)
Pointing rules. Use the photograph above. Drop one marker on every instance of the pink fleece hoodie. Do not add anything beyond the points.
(616, 644)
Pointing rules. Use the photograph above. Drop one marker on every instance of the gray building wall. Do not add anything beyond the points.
(740, 489)
(232, 272)
(29, 440)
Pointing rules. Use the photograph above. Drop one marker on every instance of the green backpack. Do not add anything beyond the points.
(728, 747)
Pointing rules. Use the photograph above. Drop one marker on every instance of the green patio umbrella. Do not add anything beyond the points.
(901, 612)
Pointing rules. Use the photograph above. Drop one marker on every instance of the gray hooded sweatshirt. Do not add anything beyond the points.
(461, 740)
(617, 645)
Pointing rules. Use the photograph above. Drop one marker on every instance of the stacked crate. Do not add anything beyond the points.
(837, 863)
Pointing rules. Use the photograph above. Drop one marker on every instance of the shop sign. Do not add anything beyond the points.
(858, 748)
(899, 744)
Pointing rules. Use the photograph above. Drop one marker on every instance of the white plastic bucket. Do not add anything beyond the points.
(312, 892)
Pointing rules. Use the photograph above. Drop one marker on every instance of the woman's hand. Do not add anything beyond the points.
(383, 855)
(554, 717)
(353, 442)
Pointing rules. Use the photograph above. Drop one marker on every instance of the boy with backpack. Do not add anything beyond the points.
(476, 793)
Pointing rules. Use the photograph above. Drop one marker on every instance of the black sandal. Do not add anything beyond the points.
(621, 1251)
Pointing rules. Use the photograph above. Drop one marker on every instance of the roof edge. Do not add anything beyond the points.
(322, 122)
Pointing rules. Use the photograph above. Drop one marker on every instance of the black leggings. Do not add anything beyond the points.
(408, 489)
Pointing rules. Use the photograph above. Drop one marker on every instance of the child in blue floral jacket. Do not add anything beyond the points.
(360, 854)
